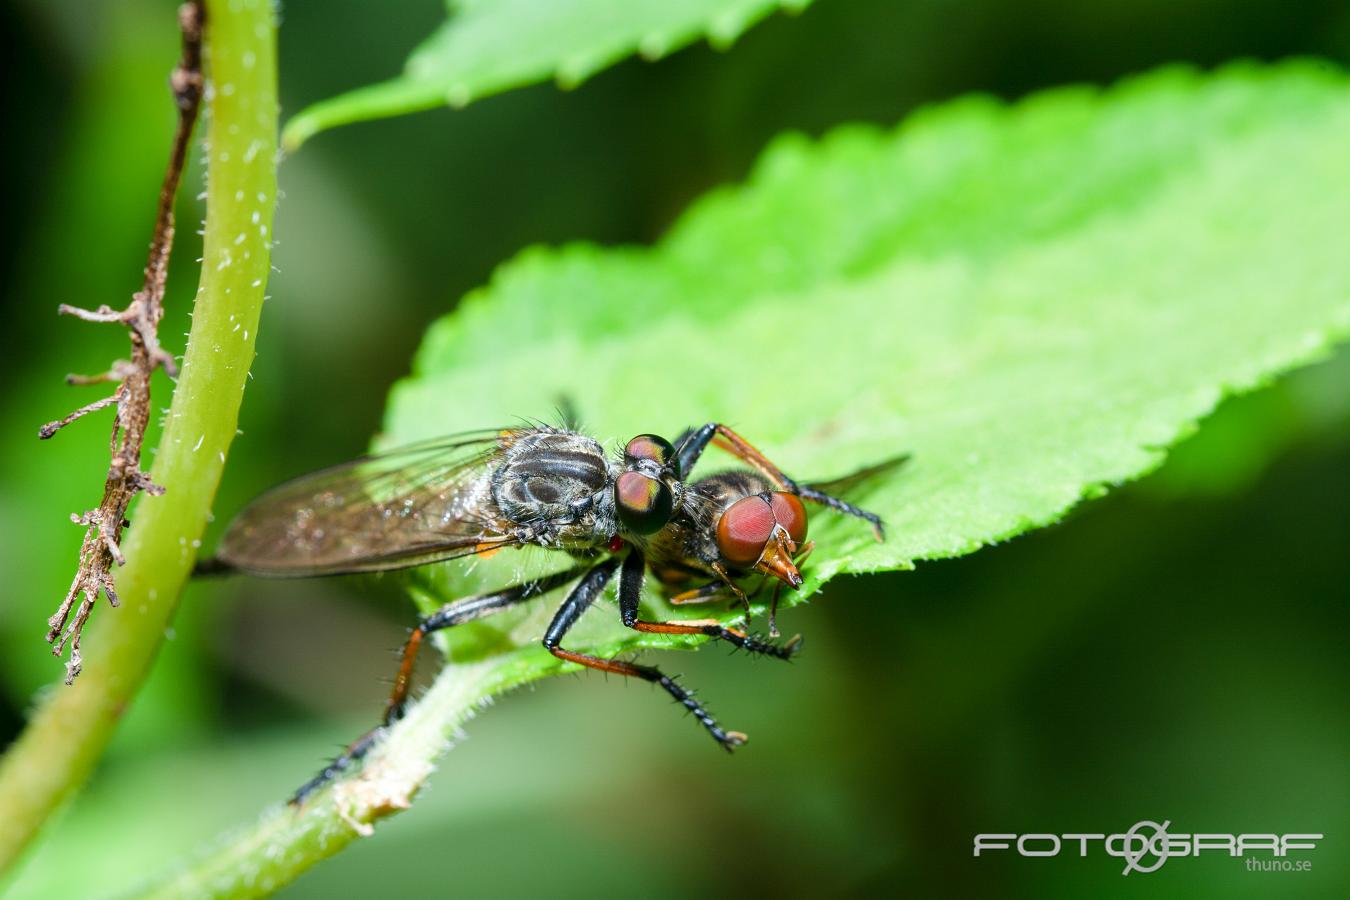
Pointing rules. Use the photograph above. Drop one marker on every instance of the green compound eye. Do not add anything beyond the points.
(649, 446)
(644, 505)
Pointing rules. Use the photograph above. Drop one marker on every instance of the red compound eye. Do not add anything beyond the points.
(743, 531)
(790, 513)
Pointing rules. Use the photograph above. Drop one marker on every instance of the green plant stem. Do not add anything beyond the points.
(285, 841)
(70, 730)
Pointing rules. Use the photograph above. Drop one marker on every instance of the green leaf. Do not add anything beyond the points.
(490, 46)
(1034, 301)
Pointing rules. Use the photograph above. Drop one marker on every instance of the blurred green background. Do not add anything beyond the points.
(1175, 651)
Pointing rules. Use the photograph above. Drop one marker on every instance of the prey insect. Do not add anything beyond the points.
(479, 492)
(739, 522)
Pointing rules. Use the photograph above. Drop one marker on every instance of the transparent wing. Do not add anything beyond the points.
(418, 504)
(852, 480)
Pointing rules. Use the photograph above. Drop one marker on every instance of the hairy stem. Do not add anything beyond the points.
(69, 731)
(285, 841)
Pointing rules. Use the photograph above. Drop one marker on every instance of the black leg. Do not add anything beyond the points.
(577, 602)
(701, 594)
(732, 586)
(630, 595)
(714, 590)
(773, 610)
(630, 585)
(806, 492)
(802, 554)
(456, 613)
(693, 443)
(690, 447)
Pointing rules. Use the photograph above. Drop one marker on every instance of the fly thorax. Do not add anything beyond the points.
(550, 478)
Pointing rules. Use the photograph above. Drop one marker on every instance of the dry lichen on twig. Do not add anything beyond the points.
(131, 398)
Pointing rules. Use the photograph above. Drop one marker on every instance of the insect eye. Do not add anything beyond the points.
(649, 446)
(644, 504)
(744, 529)
(789, 512)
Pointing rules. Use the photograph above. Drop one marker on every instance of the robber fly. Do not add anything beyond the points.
(537, 485)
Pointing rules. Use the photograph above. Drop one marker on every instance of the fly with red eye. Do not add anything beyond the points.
(740, 523)
(763, 531)
(555, 488)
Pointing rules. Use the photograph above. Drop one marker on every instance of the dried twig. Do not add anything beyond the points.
(103, 526)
